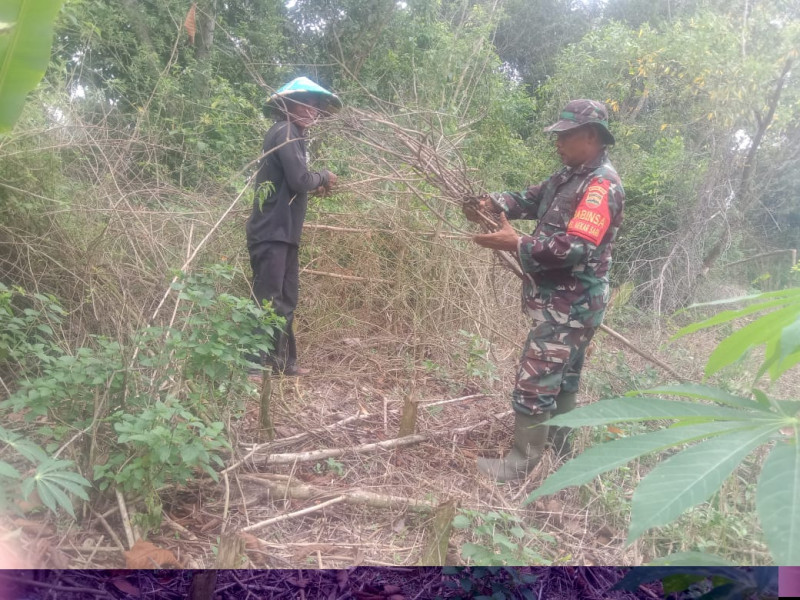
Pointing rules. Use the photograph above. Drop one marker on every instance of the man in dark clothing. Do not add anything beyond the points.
(566, 262)
(279, 209)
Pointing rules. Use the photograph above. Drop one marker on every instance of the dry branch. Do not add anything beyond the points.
(452, 400)
(347, 277)
(292, 515)
(433, 157)
(283, 489)
(293, 438)
(313, 455)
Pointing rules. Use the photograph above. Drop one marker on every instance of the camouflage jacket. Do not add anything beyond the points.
(568, 255)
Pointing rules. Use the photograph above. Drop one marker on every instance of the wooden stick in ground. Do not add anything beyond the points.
(203, 585)
(266, 428)
(292, 515)
(230, 551)
(408, 418)
(283, 489)
(126, 522)
(435, 553)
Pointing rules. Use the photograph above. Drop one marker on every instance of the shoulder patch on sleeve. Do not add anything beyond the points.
(592, 217)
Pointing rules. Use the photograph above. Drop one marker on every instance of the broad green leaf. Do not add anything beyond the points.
(679, 582)
(730, 315)
(790, 339)
(636, 577)
(690, 478)
(7, 470)
(706, 392)
(778, 501)
(683, 559)
(24, 52)
(461, 522)
(779, 368)
(619, 410)
(56, 494)
(758, 332)
(788, 292)
(610, 455)
(46, 496)
(729, 591)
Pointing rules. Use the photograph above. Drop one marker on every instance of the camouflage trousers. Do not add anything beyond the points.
(551, 362)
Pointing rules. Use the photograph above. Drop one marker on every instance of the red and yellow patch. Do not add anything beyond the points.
(592, 219)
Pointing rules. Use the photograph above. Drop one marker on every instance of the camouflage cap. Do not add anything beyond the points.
(583, 112)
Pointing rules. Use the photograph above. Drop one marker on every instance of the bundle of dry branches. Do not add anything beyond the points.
(428, 162)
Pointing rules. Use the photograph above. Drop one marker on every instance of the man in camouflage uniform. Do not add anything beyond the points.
(566, 261)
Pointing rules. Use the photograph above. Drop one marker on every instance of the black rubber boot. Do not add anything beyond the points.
(558, 437)
(530, 438)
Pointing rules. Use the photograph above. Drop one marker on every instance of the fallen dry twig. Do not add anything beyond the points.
(284, 489)
(292, 515)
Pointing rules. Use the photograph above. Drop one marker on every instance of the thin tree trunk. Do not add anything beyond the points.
(206, 21)
(747, 173)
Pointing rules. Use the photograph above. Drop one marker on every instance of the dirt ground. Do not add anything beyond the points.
(359, 400)
(392, 583)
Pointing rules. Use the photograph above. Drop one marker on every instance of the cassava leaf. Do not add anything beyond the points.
(620, 410)
(691, 477)
(758, 332)
(679, 582)
(728, 591)
(610, 455)
(7, 470)
(778, 500)
(682, 559)
(57, 494)
(636, 577)
(693, 390)
(731, 315)
(788, 292)
(24, 52)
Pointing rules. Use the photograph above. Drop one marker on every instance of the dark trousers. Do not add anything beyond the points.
(276, 277)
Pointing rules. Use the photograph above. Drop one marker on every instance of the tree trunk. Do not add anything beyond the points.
(203, 585)
(206, 23)
(747, 174)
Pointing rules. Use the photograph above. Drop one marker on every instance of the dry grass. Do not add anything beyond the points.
(353, 583)
(370, 375)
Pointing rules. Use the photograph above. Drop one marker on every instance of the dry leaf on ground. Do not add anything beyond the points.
(145, 555)
(123, 585)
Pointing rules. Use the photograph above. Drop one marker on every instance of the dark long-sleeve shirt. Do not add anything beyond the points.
(282, 185)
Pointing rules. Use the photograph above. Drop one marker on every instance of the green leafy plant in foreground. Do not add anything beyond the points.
(713, 436)
(502, 539)
(26, 35)
(157, 419)
(708, 583)
(50, 478)
(488, 583)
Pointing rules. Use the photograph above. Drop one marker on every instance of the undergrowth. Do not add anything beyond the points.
(138, 415)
